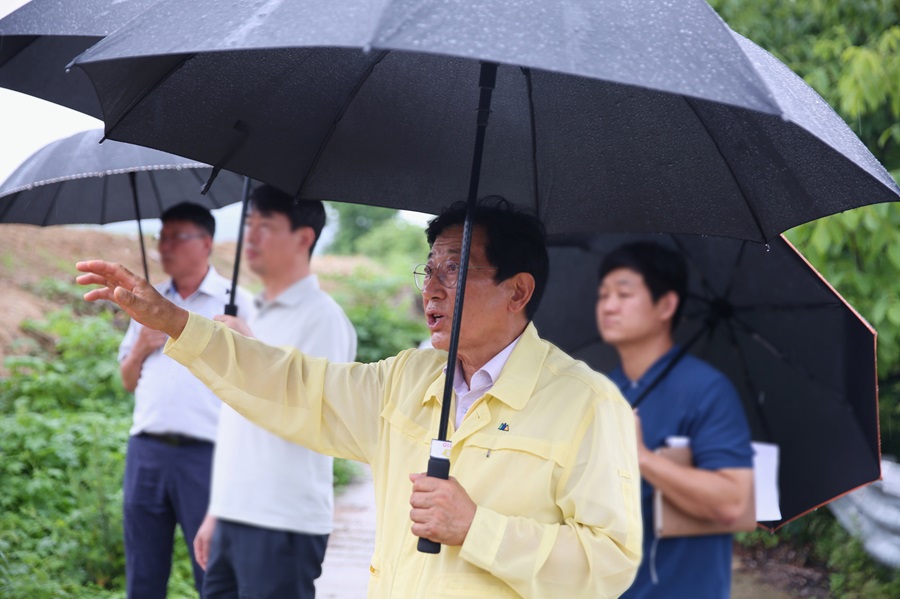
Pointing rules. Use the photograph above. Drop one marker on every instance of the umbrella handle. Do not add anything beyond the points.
(438, 468)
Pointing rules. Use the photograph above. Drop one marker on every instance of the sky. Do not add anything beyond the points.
(27, 124)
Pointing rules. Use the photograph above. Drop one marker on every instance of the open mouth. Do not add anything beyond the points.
(434, 319)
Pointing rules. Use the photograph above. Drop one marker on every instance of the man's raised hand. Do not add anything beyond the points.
(133, 294)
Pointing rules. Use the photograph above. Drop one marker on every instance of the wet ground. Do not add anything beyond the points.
(345, 573)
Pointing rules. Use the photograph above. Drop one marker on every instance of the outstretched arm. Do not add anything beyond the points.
(133, 294)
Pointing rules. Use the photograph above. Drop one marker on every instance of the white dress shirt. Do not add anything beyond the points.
(259, 478)
(482, 381)
(168, 398)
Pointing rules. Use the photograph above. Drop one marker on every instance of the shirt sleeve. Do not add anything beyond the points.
(129, 339)
(330, 408)
(596, 550)
(720, 435)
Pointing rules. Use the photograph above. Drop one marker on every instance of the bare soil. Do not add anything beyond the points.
(780, 572)
(30, 255)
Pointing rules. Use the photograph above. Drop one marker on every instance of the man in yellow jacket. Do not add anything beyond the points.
(543, 498)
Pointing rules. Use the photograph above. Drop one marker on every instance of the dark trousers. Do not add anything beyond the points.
(165, 484)
(251, 562)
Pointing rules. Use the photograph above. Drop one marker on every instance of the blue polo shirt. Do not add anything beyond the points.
(694, 400)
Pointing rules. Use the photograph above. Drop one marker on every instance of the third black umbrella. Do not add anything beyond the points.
(802, 359)
(77, 180)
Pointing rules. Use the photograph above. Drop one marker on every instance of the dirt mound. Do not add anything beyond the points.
(30, 256)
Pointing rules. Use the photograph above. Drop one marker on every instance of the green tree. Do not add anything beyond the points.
(397, 245)
(354, 221)
(847, 50)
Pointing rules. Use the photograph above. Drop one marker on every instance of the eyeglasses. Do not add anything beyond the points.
(447, 273)
(178, 237)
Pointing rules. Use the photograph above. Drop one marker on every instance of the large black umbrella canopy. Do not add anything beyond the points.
(607, 115)
(39, 39)
(800, 356)
(77, 180)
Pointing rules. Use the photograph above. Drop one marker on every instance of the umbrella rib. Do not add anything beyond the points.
(777, 353)
(734, 270)
(334, 122)
(529, 84)
(787, 307)
(748, 380)
(734, 177)
(52, 205)
(8, 207)
(156, 193)
(103, 197)
(144, 94)
(210, 193)
(703, 279)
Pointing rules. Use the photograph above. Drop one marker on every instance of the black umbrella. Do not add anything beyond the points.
(39, 39)
(800, 356)
(78, 180)
(609, 115)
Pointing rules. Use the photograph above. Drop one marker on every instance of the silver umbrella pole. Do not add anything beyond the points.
(439, 460)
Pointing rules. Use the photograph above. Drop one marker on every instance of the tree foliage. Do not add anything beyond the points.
(354, 221)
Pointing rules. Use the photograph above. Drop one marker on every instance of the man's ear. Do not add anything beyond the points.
(668, 305)
(522, 285)
(306, 237)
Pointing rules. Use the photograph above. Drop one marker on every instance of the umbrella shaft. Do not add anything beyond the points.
(486, 81)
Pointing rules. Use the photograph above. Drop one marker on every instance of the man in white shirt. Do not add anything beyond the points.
(167, 467)
(271, 509)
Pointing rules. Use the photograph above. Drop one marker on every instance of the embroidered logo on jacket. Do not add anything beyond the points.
(503, 427)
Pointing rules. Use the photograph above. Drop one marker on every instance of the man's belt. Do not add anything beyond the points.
(174, 439)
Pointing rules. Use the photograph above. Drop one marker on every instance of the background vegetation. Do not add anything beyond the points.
(848, 51)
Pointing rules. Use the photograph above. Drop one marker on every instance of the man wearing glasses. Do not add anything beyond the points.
(169, 457)
(543, 498)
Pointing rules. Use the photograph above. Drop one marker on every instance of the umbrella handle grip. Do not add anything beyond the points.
(231, 309)
(438, 468)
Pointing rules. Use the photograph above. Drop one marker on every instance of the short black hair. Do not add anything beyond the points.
(191, 212)
(663, 270)
(301, 213)
(516, 241)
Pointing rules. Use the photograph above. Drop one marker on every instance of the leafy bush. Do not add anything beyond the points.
(60, 510)
(75, 370)
(381, 310)
(344, 472)
(64, 421)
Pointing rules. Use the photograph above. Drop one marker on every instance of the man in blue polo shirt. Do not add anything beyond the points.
(639, 302)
